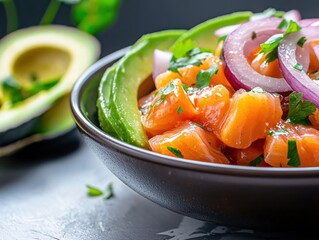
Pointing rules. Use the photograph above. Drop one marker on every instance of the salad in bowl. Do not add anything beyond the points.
(240, 89)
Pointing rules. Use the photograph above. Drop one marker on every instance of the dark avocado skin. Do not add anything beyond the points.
(21, 131)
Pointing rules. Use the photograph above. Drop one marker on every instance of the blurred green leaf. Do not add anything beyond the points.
(93, 16)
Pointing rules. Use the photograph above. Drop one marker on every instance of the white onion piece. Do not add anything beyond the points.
(293, 15)
(238, 70)
(161, 61)
(226, 30)
(298, 80)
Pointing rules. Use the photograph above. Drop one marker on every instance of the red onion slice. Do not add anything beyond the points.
(309, 22)
(293, 15)
(226, 30)
(161, 61)
(238, 70)
(298, 80)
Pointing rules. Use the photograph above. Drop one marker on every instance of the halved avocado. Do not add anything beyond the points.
(48, 52)
(117, 102)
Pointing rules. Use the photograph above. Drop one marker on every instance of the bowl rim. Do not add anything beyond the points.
(104, 139)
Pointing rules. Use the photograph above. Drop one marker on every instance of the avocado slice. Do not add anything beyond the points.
(117, 102)
(47, 53)
(204, 34)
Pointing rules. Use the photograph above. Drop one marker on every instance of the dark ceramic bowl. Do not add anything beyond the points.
(231, 195)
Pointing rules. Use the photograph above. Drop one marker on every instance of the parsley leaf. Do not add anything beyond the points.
(182, 48)
(93, 191)
(94, 16)
(167, 90)
(298, 67)
(283, 24)
(301, 41)
(179, 110)
(12, 91)
(175, 151)
(270, 47)
(109, 191)
(257, 161)
(299, 110)
(191, 58)
(204, 76)
(292, 155)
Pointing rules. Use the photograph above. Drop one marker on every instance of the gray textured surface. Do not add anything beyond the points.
(43, 196)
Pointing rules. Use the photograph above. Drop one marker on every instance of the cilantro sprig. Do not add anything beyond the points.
(270, 47)
(300, 110)
(167, 90)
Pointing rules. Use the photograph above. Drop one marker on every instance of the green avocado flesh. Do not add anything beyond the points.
(204, 33)
(38, 67)
(117, 105)
(117, 102)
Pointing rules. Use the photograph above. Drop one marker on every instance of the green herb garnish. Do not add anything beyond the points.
(204, 76)
(184, 55)
(270, 47)
(12, 91)
(299, 110)
(283, 24)
(109, 191)
(185, 87)
(167, 90)
(93, 191)
(298, 67)
(293, 157)
(175, 151)
(179, 110)
(257, 161)
(301, 41)
(280, 131)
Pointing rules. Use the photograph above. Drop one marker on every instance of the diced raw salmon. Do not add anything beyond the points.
(212, 104)
(307, 141)
(170, 106)
(251, 156)
(258, 62)
(191, 141)
(250, 116)
(314, 119)
(188, 74)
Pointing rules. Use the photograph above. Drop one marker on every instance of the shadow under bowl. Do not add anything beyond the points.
(250, 197)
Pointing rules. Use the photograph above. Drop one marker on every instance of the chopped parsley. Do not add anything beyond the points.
(300, 110)
(283, 24)
(292, 155)
(175, 151)
(301, 41)
(179, 110)
(222, 38)
(12, 91)
(270, 47)
(93, 191)
(298, 67)
(185, 87)
(167, 90)
(280, 131)
(109, 191)
(204, 76)
(313, 72)
(257, 161)
(186, 54)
